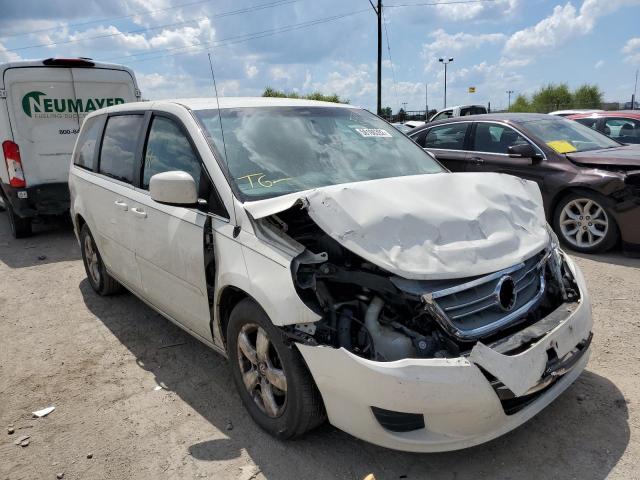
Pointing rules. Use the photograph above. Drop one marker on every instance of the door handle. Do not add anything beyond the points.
(121, 205)
(478, 159)
(138, 212)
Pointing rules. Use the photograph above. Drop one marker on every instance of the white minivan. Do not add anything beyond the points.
(342, 271)
(42, 106)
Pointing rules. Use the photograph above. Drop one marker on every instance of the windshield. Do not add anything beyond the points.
(566, 136)
(273, 151)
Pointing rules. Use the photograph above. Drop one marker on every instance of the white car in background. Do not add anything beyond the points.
(459, 111)
(338, 266)
(566, 113)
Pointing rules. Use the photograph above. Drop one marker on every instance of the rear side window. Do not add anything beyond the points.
(168, 149)
(84, 153)
(448, 137)
(472, 111)
(119, 144)
(588, 122)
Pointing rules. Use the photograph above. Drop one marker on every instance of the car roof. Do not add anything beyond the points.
(208, 103)
(490, 117)
(614, 113)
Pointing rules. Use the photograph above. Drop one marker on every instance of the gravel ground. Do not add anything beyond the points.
(100, 361)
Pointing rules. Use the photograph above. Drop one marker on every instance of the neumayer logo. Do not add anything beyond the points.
(36, 104)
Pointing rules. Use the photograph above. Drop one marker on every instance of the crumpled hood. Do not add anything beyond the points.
(626, 157)
(428, 227)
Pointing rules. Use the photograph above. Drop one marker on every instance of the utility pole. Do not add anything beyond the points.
(509, 92)
(442, 60)
(635, 93)
(426, 102)
(378, 12)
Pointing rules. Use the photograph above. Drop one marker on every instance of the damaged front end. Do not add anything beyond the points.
(421, 358)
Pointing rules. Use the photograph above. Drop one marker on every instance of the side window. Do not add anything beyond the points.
(168, 149)
(443, 115)
(448, 137)
(588, 122)
(119, 144)
(625, 130)
(495, 138)
(85, 150)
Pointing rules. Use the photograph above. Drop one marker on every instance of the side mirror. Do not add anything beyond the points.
(524, 150)
(173, 188)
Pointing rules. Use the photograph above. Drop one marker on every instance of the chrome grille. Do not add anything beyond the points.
(477, 308)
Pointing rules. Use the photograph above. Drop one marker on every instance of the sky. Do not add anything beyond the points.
(330, 45)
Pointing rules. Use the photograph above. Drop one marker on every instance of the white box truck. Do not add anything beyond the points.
(42, 105)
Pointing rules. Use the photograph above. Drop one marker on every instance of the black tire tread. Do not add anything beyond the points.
(109, 285)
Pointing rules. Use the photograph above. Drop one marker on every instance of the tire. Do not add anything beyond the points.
(100, 280)
(300, 409)
(596, 228)
(20, 227)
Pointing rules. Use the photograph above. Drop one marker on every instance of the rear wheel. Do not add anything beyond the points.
(273, 382)
(99, 278)
(582, 221)
(20, 227)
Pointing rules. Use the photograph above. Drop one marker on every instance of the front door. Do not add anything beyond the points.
(170, 239)
(489, 152)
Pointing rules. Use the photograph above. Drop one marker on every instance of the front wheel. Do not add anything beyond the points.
(582, 222)
(272, 380)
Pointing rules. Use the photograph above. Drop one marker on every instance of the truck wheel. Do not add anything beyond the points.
(271, 377)
(584, 224)
(20, 227)
(99, 278)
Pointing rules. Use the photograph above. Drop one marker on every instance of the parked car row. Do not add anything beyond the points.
(590, 183)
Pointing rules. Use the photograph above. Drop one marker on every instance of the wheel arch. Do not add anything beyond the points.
(228, 298)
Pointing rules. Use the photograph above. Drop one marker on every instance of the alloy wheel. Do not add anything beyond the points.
(91, 255)
(261, 369)
(584, 223)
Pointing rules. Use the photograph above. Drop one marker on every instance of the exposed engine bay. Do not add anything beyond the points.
(381, 316)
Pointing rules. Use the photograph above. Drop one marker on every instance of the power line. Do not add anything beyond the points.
(157, 27)
(393, 70)
(233, 40)
(431, 4)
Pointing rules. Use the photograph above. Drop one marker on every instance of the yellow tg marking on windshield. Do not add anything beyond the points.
(261, 181)
(562, 146)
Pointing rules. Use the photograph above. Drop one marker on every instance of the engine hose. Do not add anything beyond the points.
(344, 329)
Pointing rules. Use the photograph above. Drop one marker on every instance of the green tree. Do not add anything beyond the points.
(520, 104)
(401, 116)
(271, 92)
(387, 112)
(587, 96)
(552, 97)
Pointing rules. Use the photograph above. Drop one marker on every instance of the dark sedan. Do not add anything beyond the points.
(590, 183)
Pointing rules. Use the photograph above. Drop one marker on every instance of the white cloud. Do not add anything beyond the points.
(251, 70)
(631, 50)
(448, 44)
(280, 74)
(599, 64)
(6, 56)
(566, 22)
(462, 12)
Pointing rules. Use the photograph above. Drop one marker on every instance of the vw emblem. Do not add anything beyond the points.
(506, 293)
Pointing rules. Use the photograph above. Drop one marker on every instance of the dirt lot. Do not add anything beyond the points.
(98, 360)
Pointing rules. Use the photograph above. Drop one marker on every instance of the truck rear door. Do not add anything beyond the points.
(44, 129)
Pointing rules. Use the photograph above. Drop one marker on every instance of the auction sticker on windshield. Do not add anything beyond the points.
(373, 132)
(562, 146)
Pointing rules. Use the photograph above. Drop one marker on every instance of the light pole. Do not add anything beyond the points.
(509, 92)
(445, 62)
